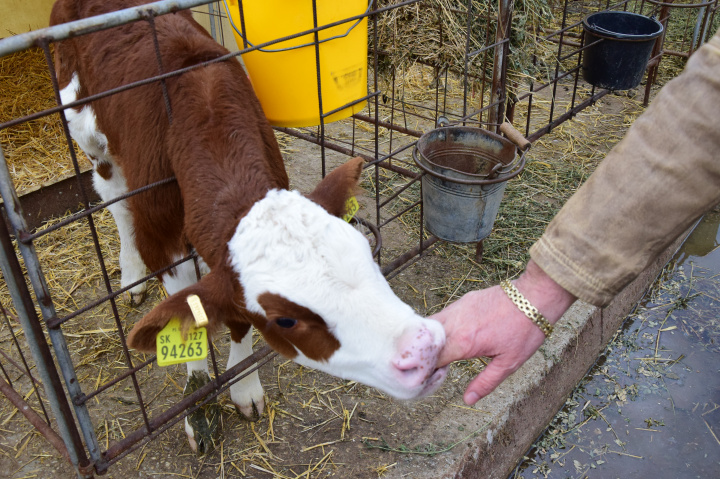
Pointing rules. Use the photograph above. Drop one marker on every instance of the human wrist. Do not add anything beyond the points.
(547, 296)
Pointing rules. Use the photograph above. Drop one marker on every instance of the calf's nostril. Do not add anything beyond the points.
(409, 371)
(405, 362)
(416, 355)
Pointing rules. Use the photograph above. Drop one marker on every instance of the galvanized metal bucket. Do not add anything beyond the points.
(467, 170)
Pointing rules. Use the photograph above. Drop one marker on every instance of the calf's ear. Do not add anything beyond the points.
(215, 301)
(334, 190)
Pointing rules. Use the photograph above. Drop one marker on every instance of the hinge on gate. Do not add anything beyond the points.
(88, 470)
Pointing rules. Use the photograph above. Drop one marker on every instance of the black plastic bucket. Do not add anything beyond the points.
(619, 45)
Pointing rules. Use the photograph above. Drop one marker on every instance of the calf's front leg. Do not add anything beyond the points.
(247, 394)
(201, 426)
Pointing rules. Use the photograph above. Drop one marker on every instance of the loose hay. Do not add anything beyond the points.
(434, 33)
(311, 419)
(36, 151)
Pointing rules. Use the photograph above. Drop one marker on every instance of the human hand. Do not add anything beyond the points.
(487, 323)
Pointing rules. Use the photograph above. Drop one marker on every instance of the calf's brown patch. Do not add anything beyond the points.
(310, 334)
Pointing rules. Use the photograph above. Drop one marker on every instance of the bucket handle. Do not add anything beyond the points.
(515, 136)
(515, 167)
(275, 50)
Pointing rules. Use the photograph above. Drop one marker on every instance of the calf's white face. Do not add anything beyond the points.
(326, 304)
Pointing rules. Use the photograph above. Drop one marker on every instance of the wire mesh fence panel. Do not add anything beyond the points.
(429, 62)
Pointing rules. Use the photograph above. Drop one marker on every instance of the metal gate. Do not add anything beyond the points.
(499, 64)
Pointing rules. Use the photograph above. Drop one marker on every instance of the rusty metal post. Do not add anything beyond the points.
(468, 33)
(500, 62)
(657, 53)
(73, 447)
(42, 292)
(35, 419)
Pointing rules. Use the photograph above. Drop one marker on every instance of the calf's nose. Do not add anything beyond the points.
(417, 355)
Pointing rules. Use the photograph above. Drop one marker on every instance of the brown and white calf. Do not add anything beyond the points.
(280, 261)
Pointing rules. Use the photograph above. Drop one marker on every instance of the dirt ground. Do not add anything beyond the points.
(315, 425)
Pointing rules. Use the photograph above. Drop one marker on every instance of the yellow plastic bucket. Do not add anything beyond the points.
(284, 75)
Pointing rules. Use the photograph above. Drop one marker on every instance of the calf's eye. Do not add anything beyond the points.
(286, 322)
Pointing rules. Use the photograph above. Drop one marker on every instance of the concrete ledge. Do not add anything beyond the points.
(514, 415)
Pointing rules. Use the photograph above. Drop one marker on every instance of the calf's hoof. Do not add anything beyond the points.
(253, 411)
(201, 426)
(135, 296)
(135, 299)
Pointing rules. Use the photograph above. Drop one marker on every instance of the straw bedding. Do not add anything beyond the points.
(314, 424)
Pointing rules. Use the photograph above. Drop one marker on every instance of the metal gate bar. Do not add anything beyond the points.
(38, 346)
(489, 109)
(185, 406)
(36, 420)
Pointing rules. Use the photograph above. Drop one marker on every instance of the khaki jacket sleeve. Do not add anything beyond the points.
(651, 187)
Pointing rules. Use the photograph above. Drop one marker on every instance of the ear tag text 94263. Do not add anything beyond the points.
(173, 348)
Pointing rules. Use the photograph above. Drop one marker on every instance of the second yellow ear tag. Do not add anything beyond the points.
(173, 349)
(351, 207)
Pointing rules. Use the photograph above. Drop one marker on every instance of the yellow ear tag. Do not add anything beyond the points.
(351, 207)
(173, 348)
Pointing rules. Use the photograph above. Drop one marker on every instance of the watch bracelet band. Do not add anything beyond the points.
(526, 307)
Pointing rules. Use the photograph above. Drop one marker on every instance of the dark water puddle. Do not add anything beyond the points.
(650, 407)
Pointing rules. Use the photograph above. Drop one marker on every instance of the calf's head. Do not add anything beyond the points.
(307, 281)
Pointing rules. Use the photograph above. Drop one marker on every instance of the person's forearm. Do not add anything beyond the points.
(651, 187)
(548, 297)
